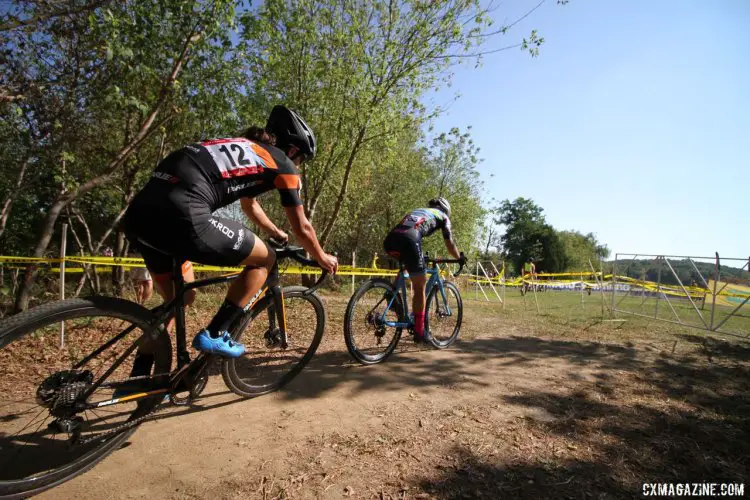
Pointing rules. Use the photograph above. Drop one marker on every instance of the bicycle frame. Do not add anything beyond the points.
(176, 308)
(400, 286)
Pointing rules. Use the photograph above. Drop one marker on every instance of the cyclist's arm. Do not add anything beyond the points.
(452, 248)
(304, 231)
(255, 213)
(289, 186)
(448, 238)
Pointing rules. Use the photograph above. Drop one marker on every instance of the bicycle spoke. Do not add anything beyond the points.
(266, 365)
(11, 458)
(33, 420)
(43, 377)
(367, 336)
(20, 401)
(444, 315)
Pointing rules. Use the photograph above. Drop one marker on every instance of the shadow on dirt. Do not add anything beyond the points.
(457, 368)
(711, 346)
(643, 417)
(667, 419)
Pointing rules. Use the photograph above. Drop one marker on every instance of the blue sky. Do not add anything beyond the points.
(633, 122)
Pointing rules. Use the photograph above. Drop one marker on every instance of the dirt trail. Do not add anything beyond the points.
(524, 416)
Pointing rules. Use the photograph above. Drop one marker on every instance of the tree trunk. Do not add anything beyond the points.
(13, 22)
(96, 284)
(118, 272)
(146, 129)
(344, 185)
(45, 235)
(14, 280)
(8, 203)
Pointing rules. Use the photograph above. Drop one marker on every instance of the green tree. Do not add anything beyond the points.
(100, 83)
(581, 249)
(528, 237)
(357, 70)
(94, 93)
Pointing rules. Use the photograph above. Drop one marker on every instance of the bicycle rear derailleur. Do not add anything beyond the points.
(60, 392)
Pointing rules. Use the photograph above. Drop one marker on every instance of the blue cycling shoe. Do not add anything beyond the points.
(223, 346)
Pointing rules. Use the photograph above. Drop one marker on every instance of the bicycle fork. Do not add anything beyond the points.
(276, 313)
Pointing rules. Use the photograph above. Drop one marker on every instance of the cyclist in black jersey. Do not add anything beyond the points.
(404, 243)
(172, 216)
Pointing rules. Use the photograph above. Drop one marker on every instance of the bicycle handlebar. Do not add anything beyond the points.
(462, 262)
(286, 251)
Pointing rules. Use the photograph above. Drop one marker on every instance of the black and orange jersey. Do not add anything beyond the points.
(230, 169)
(426, 221)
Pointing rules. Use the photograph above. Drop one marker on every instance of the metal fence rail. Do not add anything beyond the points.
(724, 300)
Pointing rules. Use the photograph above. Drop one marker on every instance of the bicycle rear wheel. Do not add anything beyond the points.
(368, 340)
(266, 366)
(45, 439)
(443, 317)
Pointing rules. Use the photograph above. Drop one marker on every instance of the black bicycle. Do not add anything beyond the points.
(378, 312)
(64, 408)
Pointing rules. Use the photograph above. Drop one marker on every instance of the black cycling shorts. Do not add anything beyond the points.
(406, 246)
(165, 221)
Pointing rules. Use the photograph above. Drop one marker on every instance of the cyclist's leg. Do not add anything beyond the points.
(413, 259)
(257, 266)
(225, 242)
(179, 225)
(164, 281)
(245, 288)
(157, 262)
(157, 227)
(418, 302)
(148, 290)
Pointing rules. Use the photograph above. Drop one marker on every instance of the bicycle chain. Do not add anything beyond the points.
(130, 423)
(120, 428)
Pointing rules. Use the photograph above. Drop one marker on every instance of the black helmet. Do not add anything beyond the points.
(291, 130)
(441, 204)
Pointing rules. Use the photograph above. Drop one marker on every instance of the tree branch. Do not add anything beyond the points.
(344, 185)
(509, 26)
(17, 23)
(147, 127)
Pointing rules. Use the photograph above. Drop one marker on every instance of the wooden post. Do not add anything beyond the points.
(63, 244)
(354, 264)
(582, 291)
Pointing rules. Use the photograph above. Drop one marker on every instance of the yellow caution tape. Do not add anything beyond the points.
(106, 264)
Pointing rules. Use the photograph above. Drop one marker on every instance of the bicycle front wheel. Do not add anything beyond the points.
(368, 339)
(50, 358)
(443, 317)
(266, 366)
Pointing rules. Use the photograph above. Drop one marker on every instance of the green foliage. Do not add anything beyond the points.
(76, 90)
(89, 81)
(359, 74)
(553, 257)
(581, 249)
(528, 237)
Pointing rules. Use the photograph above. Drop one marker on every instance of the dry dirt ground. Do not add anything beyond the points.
(523, 406)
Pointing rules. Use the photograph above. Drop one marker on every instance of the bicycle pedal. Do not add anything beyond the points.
(178, 400)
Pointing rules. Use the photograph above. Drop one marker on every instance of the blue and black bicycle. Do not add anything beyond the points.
(378, 312)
